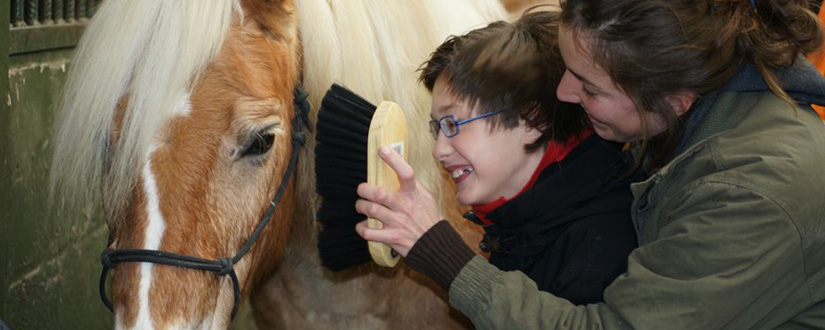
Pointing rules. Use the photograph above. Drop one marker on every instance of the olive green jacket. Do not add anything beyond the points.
(731, 233)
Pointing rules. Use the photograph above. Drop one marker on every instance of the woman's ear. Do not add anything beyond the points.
(681, 102)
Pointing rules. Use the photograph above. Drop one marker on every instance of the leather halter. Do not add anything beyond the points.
(223, 266)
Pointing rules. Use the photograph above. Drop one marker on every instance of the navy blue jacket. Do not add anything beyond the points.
(571, 232)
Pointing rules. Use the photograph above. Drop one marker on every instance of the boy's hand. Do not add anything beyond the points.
(407, 214)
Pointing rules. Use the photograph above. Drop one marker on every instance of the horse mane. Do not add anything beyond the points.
(141, 56)
(129, 46)
(375, 48)
(354, 43)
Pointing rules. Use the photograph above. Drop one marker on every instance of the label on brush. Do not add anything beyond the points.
(398, 147)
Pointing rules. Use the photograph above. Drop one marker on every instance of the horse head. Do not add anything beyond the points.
(184, 113)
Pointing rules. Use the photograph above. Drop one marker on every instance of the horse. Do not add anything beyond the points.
(181, 119)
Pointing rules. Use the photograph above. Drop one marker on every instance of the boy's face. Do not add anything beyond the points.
(484, 164)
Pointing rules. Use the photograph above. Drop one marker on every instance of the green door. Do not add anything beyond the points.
(48, 256)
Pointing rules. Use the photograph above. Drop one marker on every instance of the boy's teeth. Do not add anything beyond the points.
(457, 173)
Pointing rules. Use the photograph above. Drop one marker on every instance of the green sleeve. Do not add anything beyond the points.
(495, 299)
(724, 257)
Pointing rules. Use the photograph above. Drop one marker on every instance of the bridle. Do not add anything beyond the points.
(223, 266)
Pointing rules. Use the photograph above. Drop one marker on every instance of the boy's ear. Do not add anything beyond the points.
(681, 102)
(531, 134)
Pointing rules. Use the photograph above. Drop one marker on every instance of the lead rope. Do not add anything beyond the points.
(223, 266)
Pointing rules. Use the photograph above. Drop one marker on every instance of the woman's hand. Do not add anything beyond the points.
(407, 214)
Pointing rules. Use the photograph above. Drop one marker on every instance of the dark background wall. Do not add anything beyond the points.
(47, 275)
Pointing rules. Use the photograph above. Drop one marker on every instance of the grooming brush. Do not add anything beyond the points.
(350, 130)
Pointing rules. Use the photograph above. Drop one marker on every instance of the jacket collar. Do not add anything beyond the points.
(559, 188)
(801, 81)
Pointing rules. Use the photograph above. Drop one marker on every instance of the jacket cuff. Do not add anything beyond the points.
(440, 254)
(470, 292)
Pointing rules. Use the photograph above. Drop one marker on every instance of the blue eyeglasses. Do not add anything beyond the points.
(449, 124)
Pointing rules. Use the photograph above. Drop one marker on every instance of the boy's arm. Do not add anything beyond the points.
(440, 254)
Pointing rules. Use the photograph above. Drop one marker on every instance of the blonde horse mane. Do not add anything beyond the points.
(375, 48)
(129, 47)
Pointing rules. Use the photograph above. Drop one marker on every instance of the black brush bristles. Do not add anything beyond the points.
(340, 165)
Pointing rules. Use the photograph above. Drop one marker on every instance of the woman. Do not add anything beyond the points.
(715, 97)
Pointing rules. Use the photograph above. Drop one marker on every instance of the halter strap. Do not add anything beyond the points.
(223, 266)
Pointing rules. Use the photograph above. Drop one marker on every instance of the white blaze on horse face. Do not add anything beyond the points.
(155, 225)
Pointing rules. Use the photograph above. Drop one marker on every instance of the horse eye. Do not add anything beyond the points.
(260, 143)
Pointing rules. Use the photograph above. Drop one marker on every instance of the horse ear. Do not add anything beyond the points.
(278, 17)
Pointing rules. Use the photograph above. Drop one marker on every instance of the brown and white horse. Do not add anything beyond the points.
(182, 112)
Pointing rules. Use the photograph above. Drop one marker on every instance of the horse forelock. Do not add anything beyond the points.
(128, 47)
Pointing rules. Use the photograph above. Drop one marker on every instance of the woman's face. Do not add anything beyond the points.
(610, 110)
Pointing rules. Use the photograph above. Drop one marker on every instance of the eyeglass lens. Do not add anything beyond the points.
(446, 124)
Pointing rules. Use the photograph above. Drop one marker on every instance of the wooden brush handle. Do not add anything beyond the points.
(388, 128)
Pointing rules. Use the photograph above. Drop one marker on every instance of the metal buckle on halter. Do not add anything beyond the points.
(223, 266)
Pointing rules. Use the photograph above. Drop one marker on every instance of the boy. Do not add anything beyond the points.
(552, 196)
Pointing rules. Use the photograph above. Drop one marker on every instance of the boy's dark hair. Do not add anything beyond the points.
(510, 67)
